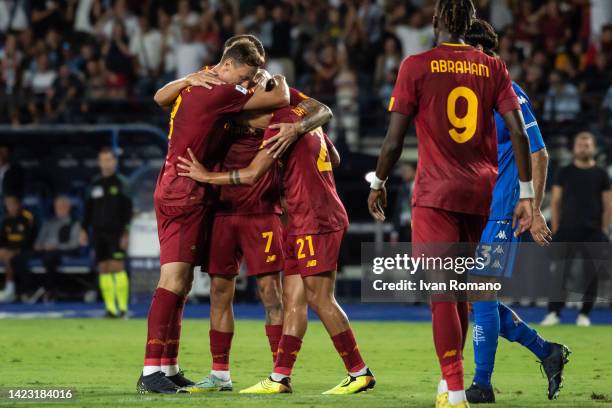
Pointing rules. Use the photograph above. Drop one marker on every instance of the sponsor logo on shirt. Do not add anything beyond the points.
(242, 89)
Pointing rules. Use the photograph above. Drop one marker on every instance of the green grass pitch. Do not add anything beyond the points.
(101, 360)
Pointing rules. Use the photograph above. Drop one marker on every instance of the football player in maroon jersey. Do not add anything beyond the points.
(198, 121)
(451, 92)
(317, 223)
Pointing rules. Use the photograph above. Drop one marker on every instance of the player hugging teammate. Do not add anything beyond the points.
(247, 225)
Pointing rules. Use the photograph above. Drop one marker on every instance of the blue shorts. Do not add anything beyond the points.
(498, 246)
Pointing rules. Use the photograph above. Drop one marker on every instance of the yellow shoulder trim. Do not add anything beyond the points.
(455, 45)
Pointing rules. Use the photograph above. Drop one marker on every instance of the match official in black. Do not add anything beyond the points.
(580, 214)
(108, 212)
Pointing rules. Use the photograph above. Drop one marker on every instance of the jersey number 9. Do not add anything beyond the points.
(468, 122)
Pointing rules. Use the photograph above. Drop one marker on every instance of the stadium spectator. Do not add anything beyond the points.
(190, 54)
(388, 61)
(208, 33)
(46, 15)
(95, 82)
(13, 16)
(298, 36)
(402, 210)
(16, 235)
(12, 178)
(118, 61)
(581, 212)
(346, 118)
(415, 32)
(118, 14)
(108, 213)
(62, 100)
(259, 25)
(562, 100)
(185, 17)
(145, 46)
(58, 236)
(11, 59)
(37, 81)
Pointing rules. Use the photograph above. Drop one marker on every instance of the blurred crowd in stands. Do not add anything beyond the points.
(58, 57)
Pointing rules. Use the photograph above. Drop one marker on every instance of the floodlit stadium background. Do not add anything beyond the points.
(79, 75)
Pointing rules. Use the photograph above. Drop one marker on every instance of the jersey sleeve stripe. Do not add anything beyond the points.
(531, 124)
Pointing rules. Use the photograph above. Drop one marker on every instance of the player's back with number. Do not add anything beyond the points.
(452, 91)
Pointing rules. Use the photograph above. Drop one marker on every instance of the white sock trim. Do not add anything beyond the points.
(223, 375)
(455, 397)
(442, 387)
(278, 377)
(148, 370)
(170, 370)
(360, 372)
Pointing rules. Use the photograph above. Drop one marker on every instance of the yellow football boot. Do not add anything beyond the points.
(443, 402)
(353, 385)
(269, 386)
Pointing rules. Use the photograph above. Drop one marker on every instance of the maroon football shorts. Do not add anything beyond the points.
(440, 226)
(183, 233)
(312, 254)
(256, 238)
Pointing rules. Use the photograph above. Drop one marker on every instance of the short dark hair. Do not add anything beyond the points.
(107, 150)
(245, 37)
(585, 135)
(482, 34)
(456, 15)
(245, 53)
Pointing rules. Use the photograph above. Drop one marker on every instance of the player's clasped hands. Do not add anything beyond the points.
(377, 201)
(205, 78)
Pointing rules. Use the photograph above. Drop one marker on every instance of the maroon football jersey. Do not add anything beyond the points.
(452, 91)
(264, 196)
(313, 204)
(197, 120)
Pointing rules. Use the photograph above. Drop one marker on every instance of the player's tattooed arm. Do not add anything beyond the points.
(315, 114)
(235, 176)
(389, 155)
(249, 175)
(166, 95)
